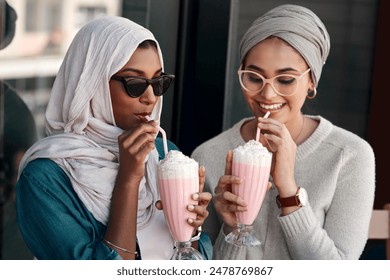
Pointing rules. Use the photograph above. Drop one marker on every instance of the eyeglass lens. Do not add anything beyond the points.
(282, 84)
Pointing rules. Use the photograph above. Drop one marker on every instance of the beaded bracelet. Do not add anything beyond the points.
(120, 248)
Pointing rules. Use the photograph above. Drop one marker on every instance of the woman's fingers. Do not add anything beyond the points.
(202, 177)
(201, 211)
(223, 194)
(203, 199)
(134, 146)
(225, 182)
(135, 139)
(229, 161)
(201, 215)
(269, 186)
(228, 196)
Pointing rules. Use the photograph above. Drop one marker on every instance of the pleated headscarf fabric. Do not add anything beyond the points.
(296, 25)
(80, 124)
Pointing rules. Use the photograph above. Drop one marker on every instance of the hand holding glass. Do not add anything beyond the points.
(252, 163)
(178, 178)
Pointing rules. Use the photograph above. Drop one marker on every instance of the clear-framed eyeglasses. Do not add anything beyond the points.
(285, 84)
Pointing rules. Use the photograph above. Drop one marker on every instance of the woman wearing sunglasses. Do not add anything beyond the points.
(323, 177)
(89, 189)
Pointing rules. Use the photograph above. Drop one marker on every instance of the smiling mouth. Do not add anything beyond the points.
(272, 107)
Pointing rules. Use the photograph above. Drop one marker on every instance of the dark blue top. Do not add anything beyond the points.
(54, 222)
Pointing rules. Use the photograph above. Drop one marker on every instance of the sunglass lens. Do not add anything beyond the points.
(167, 83)
(161, 85)
(136, 87)
(157, 85)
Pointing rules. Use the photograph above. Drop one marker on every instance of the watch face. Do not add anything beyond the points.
(303, 198)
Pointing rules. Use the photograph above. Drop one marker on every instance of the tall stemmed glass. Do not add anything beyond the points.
(178, 179)
(254, 168)
(252, 163)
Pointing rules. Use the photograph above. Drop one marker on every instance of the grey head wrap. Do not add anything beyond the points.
(296, 25)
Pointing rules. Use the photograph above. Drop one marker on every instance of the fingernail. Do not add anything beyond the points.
(241, 202)
(238, 179)
(190, 220)
(191, 207)
(195, 196)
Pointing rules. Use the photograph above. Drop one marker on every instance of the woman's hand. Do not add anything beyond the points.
(203, 199)
(226, 203)
(279, 141)
(134, 146)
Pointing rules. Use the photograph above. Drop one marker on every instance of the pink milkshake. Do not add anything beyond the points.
(178, 180)
(252, 163)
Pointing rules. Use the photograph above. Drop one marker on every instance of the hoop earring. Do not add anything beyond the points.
(311, 94)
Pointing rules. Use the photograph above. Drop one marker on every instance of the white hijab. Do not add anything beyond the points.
(82, 134)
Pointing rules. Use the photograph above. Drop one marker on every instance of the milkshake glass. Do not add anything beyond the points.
(178, 180)
(252, 163)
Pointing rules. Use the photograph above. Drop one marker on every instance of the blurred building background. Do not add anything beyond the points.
(44, 30)
(199, 40)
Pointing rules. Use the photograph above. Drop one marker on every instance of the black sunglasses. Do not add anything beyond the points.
(136, 86)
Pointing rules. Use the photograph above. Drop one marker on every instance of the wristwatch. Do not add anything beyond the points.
(299, 199)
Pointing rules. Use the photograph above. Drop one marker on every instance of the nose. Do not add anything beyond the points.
(148, 96)
(268, 90)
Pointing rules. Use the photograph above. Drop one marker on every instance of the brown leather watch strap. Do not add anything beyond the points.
(288, 201)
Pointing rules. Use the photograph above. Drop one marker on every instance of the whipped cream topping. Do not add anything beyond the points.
(254, 153)
(177, 165)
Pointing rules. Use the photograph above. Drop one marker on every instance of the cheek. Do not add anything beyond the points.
(250, 100)
(123, 114)
(296, 102)
(116, 110)
(300, 97)
(121, 107)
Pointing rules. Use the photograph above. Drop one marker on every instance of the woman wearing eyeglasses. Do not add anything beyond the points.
(322, 176)
(89, 189)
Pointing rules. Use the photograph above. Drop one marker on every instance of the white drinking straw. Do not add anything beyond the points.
(164, 135)
(258, 129)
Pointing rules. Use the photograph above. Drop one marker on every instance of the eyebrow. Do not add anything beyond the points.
(139, 72)
(283, 70)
